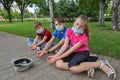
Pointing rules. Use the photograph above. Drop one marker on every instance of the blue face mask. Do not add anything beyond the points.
(59, 28)
(77, 31)
(40, 31)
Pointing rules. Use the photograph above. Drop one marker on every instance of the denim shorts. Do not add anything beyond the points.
(76, 58)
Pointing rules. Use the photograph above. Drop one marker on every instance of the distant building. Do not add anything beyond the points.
(15, 8)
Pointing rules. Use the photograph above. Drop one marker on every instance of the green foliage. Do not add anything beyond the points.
(89, 8)
(43, 7)
(27, 14)
(15, 15)
(108, 8)
(107, 19)
(69, 9)
(7, 5)
(23, 3)
(66, 8)
(3, 13)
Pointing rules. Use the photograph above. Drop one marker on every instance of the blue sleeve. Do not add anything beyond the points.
(55, 33)
(65, 33)
(64, 36)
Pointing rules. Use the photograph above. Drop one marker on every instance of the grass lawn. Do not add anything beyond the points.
(103, 40)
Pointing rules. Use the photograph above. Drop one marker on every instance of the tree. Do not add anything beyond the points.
(22, 4)
(89, 8)
(51, 13)
(46, 9)
(116, 15)
(94, 9)
(101, 13)
(7, 5)
(43, 7)
(103, 7)
(68, 9)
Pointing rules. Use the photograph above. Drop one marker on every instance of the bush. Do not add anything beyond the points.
(107, 19)
(91, 19)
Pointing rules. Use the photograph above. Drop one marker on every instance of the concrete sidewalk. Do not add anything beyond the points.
(12, 46)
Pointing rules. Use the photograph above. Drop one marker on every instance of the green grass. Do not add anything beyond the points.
(103, 40)
(19, 28)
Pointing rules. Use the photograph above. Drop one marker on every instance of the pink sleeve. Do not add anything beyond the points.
(68, 33)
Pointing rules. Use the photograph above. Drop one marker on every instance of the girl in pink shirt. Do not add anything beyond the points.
(76, 58)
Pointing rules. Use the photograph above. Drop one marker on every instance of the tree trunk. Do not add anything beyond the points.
(116, 15)
(7, 5)
(22, 14)
(22, 10)
(119, 17)
(101, 13)
(9, 15)
(51, 13)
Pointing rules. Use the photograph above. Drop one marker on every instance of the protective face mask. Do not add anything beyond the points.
(77, 31)
(40, 31)
(59, 28)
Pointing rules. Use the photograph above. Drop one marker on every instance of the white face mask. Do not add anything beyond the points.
(40, 31)
(77, 31)
(59, 28)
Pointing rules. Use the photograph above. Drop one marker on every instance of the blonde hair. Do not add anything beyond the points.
(84, 21)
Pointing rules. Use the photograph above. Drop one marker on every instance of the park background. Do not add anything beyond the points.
(18, 16)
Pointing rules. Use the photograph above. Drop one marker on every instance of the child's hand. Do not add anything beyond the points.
(56, 51)
(32, 47)
(40, 54)
(51, 59)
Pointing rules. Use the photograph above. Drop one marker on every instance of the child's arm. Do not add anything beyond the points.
(42, 41)
(35, 40)
(67, 53)
(57, 46)
(49, 44)
(44, 50)
(63, 48)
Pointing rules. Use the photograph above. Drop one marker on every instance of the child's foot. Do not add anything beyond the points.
(90, 73)
(111, 72)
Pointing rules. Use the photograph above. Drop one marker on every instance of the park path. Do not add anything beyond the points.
(13, 46)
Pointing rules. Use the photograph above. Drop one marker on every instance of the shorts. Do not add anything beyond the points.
(76, 58)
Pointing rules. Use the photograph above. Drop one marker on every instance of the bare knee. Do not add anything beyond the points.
(75, 69)
(59, 64)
